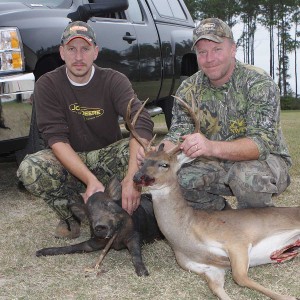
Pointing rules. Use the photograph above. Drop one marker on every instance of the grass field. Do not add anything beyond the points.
(27, 224)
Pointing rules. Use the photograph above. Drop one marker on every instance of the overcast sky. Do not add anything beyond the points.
(262, 54)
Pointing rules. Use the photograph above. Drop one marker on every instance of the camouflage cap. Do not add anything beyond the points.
(78, 29)
(212, 29)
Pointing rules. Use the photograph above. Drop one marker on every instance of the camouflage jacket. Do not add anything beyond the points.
(248, 105)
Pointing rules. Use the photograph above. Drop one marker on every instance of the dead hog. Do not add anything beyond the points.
(106, 216)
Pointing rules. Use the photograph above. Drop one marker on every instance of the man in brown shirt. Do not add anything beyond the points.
(77, 107)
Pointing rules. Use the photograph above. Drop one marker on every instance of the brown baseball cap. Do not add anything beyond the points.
(78, 29)
(212, 29)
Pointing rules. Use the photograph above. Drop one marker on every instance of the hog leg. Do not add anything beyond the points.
(90, 245)
(134, 248)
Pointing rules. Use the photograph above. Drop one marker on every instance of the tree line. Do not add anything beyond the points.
(277, 16)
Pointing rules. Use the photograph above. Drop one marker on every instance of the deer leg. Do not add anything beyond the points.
(215, 278)
(239, 260)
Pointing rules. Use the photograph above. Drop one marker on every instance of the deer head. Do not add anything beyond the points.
(160, 167)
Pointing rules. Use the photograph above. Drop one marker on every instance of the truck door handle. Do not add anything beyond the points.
(129, 38)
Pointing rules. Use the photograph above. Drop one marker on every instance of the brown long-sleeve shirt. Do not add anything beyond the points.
(86, 117)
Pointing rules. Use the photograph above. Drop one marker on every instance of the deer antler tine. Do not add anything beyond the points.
(138, 112)
(193, 111)
(195, 114)
(131, 125)
(174, 150)
(150, 143)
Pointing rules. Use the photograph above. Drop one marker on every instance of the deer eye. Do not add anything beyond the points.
(164, 165)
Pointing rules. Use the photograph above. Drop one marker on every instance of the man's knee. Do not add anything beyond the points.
(252, 176)
(253, 183)
(38, 171)
(201, 187)
(28, 171)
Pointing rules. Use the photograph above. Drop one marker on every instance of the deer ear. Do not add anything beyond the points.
(114, 189)
(161, 147)
(183, 159)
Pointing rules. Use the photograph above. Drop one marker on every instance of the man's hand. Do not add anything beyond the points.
(195, 145)
(72, 162)
(131, 195)
(92, 187)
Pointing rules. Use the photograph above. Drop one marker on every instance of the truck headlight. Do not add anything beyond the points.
(11, 50)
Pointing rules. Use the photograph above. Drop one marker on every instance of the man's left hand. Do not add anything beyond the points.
(131, 195)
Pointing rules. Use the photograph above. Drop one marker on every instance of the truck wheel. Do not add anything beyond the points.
(35, 142)
(167, 105)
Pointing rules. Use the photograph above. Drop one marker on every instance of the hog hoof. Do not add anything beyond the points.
(39, 253)
(44, 252)
(142, 272)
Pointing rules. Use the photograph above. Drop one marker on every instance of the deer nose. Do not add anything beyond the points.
(143, 179)
(138, 177)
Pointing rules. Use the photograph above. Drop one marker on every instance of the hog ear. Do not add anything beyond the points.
(114, 189)
(79, 210)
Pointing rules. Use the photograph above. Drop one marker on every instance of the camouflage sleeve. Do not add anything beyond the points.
(263, 115)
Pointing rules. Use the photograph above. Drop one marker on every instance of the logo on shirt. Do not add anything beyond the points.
(237, 126)
(87, 112)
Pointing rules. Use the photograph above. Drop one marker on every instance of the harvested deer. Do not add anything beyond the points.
(209, 242)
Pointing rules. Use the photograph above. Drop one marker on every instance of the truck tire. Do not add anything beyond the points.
(35, 142)
(166, 105)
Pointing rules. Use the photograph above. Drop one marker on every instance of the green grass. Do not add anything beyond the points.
(291, 129)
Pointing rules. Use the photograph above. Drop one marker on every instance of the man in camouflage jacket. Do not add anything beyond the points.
(240, 151)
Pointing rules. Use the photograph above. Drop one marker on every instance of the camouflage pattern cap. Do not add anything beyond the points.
(212, 29)
(78, 29)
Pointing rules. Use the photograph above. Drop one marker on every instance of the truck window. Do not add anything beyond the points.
(169, 8)
(117, 15)
(51, 3)
(135, 12)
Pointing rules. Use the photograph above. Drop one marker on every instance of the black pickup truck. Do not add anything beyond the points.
(148, 40)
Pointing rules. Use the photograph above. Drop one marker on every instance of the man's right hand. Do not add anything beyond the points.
(72, 162)
(93, 187)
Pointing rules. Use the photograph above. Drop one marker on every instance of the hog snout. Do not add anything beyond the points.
(143, 179)
(104, 231)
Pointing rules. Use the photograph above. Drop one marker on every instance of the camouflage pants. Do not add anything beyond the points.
(253, 183)
(44, 176)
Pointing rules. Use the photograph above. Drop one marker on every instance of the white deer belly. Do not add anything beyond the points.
(201, 257)
(261, 252)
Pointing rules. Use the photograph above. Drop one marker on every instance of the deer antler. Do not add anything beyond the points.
(131, 125)
(195, 115)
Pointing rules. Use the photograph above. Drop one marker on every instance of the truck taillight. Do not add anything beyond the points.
(11, 51)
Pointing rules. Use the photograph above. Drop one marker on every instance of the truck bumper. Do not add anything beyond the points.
(15, 110)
